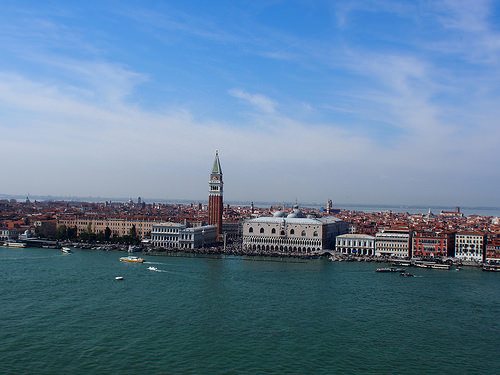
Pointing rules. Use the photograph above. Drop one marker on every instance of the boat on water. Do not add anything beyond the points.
(119, 278)
(406, 274)
(151, 268)
(440, 266)
(491, 268)
(15, 244)
(390, 269)
(66, 250)
(435, 266)
(131, 259)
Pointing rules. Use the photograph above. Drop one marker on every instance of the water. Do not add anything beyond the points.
(63, 314)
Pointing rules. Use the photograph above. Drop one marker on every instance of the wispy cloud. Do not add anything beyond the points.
(258, 101)
(83, 113)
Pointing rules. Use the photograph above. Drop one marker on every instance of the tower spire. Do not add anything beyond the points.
(215, 192)
(216, 169)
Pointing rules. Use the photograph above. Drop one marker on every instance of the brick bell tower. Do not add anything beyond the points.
(215, 203)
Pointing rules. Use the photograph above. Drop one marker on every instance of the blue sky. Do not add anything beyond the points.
(355, 101)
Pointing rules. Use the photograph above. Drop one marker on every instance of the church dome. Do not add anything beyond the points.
(279, 214)
(296, 213)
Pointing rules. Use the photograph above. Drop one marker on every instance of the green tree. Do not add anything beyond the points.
(107, 234)
(62, 232)
(133, 232)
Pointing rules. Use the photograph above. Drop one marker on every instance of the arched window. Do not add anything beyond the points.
(315, 234)
(282, 232)
(261, 230)
(250, 230)
(303, 234)
(292, 231)
(273, 231)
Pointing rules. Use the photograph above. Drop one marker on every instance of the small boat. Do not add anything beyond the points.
(15, 244)
(406, 274)
(66, 250)
(119, 278)
(131, 259)
(152, 268)
(491, 268)
(390, 269)
(440, 266)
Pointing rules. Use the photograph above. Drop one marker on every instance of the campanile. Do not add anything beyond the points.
(215, 203)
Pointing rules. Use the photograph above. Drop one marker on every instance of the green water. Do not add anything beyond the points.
(66, 314)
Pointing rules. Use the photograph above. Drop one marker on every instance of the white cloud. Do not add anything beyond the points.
(259, 101)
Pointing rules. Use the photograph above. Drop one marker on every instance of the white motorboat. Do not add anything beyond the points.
(15, 244)
(66, 250)
(151, 268)
(119, 278)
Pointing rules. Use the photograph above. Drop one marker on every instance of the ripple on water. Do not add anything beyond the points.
(231, 315)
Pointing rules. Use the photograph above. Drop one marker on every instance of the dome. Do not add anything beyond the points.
(279, 214)
(296, 213)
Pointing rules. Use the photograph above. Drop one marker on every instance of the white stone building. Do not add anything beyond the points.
(470, 246)
(178, 236)
(355, 244)
(292, 233)
(393, 243)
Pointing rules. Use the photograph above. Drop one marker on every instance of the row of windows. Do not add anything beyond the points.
(282, 232)
(165, 230)
(354, 243)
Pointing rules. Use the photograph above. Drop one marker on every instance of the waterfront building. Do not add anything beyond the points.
(493, 250)
(292, 233)
(118, 227)
(355, 244)
(215, 196)
(470, 246)
(178, 236)
(430, 244)
(393, 243)
(7, 234)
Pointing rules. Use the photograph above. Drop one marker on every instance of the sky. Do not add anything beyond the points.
(377, 102)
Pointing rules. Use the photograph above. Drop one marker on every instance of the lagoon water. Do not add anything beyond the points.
(66, 314)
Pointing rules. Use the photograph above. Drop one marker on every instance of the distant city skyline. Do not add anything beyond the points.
(381, 102)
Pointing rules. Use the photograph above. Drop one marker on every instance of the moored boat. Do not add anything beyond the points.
(491, 268)
(15, 244)
(440, 266)
(131, 259)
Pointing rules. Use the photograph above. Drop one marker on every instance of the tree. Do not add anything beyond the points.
(133, 232)
(107, 234)
(62, 232)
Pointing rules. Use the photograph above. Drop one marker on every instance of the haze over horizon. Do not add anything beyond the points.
(382, 102)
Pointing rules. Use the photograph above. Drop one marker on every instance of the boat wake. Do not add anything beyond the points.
(156, 263)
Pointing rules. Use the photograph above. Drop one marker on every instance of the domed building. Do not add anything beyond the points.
(292, 232)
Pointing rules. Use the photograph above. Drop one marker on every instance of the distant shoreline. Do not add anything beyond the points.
(363, 207)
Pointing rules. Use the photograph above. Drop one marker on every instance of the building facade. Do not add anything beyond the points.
(118, 227)
(215, 196)
(493, 250)
(292, 233)
(470, 246)
(8, 234)
(178, 236)
(427, 244)
(393, 243)
(355, 244)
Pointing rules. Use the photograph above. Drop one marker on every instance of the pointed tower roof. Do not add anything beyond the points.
(216, 169)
